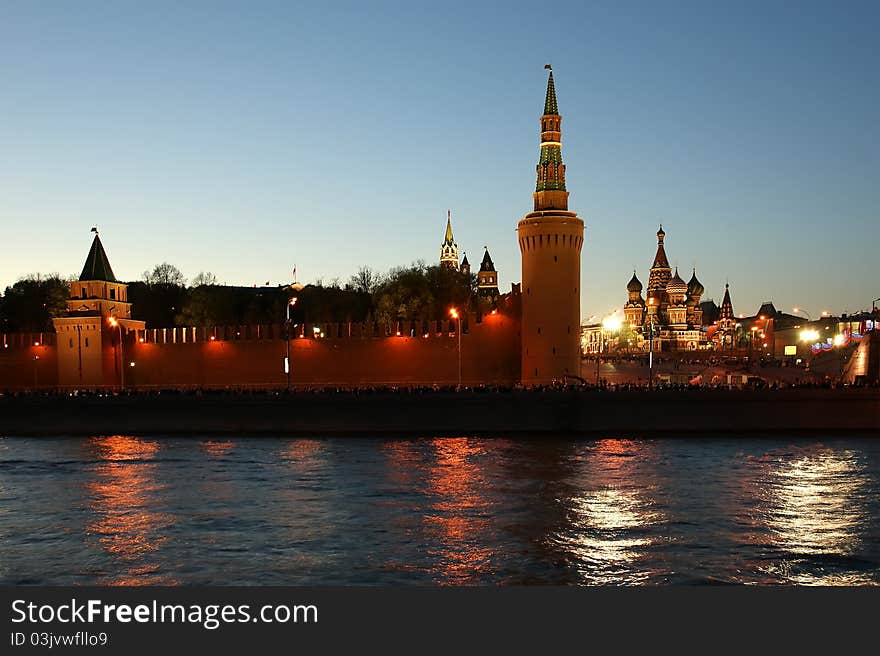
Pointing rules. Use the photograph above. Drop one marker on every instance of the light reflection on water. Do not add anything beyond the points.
(126, 519)
(814, 510)
(611, 517)
(125, 510)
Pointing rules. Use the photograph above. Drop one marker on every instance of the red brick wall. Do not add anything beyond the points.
(490, 354)
(18, 367)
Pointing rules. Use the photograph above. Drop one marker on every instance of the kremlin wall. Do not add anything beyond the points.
(531, 337)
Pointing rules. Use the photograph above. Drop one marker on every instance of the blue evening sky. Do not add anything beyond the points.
(245, 138)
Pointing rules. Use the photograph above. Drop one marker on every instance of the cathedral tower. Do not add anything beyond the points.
(550, 240)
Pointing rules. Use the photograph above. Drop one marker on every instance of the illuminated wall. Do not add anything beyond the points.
(28, 361)
(253, 356)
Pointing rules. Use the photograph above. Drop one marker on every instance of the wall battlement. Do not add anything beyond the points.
(321, 355)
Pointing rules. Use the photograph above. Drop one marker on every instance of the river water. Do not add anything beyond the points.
(451, 511)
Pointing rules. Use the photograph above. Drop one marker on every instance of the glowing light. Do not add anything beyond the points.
(141, 340)
(213, 338)
(453, 312)
(611, 324)
(809, 335)
(36, 343)
(112, 321)
(839, 339)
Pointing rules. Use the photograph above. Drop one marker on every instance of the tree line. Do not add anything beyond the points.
(163, 298)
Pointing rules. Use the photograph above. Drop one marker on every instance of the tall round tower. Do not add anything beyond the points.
(550, 240)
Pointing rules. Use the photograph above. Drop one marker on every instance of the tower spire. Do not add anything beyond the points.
(449, 249)
(550, 106)
(550, 193)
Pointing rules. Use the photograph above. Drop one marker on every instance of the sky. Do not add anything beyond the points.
(246, 138)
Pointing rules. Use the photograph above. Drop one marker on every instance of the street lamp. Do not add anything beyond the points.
(802, 311)
(453, 312)
(651, 355)
(612, 325)
(290, 304)
(114, 323)
(753, 329)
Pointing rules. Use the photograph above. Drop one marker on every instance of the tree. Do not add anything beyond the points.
(30, 304)
(365, 280)
(164, 274)
(423, 293)
(204, 279)
(160, 297)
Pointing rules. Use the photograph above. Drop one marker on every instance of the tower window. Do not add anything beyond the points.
(112, 294)
(539, 330)
(87, 342)
(71, 343)
(83, 292)
(555, 259)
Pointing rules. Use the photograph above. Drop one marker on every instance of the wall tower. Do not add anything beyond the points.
(92, 334)
(550, 240)
(449, 249)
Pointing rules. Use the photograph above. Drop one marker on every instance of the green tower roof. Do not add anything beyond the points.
(550, 106)
(97, 266)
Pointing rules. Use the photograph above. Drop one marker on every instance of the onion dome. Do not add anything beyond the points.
(676, 285)
(695, 288)
(634, 285)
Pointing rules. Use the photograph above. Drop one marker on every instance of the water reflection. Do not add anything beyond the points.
(811, 516)
(611, 516)
(216, 448)
(126, 519)
(458, 520)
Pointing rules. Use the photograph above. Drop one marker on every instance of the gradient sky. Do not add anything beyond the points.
(245, 138)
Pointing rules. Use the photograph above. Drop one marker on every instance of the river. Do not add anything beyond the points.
(449, 511)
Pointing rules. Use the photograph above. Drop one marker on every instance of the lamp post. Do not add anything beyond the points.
(114, 322)
(651, 355)
(802, 311)
(612, 325)
(455, 315)
(752, 332)
(290, 304)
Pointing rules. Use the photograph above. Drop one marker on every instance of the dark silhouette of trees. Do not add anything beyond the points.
(162, 299)
(30, 304)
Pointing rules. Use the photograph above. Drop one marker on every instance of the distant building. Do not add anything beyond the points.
(671, 309)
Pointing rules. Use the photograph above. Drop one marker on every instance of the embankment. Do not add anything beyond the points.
(814, 412)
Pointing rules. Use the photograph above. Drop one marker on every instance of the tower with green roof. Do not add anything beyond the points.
(550, 241)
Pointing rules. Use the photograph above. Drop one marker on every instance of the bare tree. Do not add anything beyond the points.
(204, 279)
(365, 280)
(164, 274)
